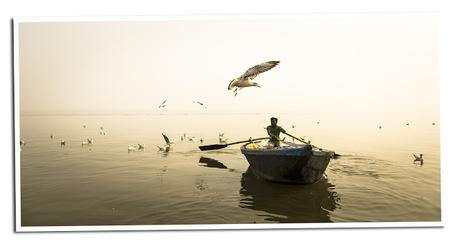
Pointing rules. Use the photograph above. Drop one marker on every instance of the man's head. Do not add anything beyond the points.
(273, 121)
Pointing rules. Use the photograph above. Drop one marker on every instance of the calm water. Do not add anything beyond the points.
(102, 184)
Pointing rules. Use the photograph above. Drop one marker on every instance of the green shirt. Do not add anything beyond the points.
(274, 131)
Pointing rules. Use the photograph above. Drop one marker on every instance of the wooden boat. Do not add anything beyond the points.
(290, 163)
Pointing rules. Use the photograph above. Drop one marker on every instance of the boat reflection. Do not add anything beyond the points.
(211, 163)
(288, 203)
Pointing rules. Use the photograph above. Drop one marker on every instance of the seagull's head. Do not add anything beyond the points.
(230, 84)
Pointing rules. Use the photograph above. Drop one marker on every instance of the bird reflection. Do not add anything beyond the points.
(211, 163)
(288, 203)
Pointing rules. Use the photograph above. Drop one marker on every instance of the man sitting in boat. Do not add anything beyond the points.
(274, 131)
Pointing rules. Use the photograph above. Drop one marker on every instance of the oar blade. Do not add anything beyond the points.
(212, 147)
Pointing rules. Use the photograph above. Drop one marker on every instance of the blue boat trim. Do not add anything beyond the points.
(303, 150)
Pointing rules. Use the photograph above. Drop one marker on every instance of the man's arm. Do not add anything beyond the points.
(269, 131)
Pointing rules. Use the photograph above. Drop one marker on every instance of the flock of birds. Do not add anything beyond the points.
(243, 81)
(407, 124)
(137, 147)
(418, 159)
(163, 104)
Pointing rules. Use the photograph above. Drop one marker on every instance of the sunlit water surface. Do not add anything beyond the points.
(376, 179)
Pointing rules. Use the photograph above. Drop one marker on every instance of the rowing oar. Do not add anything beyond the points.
(298, 139)
(334, 155)
(219, 146)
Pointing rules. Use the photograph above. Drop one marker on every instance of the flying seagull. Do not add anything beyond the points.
(201, 104)
(163, 104)
(246, 80)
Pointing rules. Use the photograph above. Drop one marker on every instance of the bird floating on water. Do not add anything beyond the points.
(167, 146)
(418, 158)
(407, 124)
(63, 142)
(138, 147)
(163, 104)
(22, 143)
(51, 136)
(84, 126)
(433, 123)
(380, 127)
(88, 141)
(222, 139)
(246, 79)
(131, 148)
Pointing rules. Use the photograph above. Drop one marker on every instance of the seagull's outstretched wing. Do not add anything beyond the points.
(260, 68)
(166, 139)
(163, 103)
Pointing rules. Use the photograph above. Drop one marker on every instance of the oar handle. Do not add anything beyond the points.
(255, 139)
(298, 139)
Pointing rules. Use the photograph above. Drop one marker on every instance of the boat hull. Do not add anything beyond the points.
(299, 165)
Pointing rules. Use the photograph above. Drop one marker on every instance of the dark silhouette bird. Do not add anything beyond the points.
(163, 104)
(167, 146)
(221, 138)
(201, 104)
(418, 158)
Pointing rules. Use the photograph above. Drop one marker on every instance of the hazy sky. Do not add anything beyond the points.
(375, 64)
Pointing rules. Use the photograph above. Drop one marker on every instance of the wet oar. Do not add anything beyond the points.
(220, 146)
